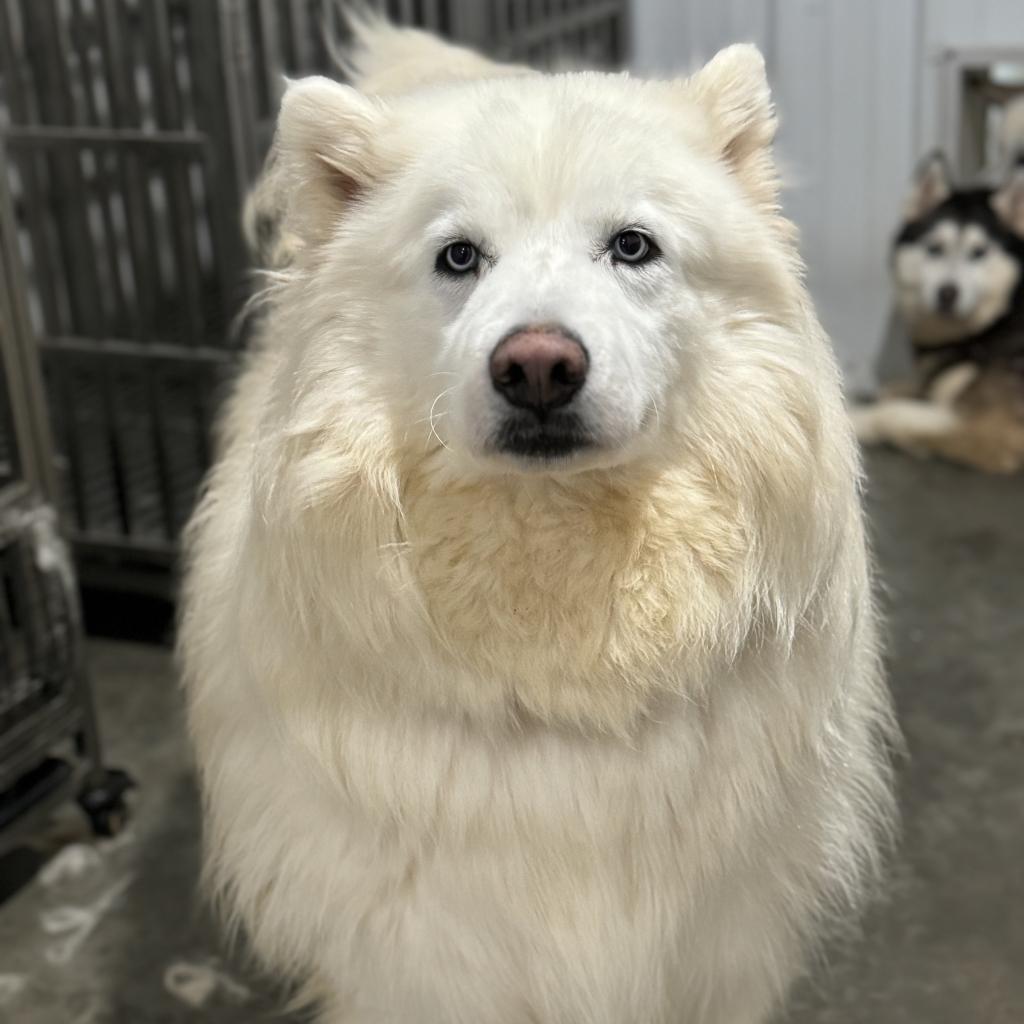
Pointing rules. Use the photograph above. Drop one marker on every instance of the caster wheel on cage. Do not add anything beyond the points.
(109, 821)
(102, 799)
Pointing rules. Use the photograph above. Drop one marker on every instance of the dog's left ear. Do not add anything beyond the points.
(325, 148)
(1008, 200)
(733, 89)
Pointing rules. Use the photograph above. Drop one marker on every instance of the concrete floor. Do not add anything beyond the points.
(125, 940)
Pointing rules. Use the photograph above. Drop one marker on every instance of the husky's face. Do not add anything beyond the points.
(548, 273)
(956, 261)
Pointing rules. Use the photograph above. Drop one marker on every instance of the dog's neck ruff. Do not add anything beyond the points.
(586, 599)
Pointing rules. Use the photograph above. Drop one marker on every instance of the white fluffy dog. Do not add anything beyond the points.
(528, 639)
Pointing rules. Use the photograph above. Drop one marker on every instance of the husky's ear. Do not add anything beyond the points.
(932, 185)
(324, 143)
(733, 88)
(1008, 200)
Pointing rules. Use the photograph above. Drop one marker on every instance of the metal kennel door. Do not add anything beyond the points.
(49, 740)
(123, 196)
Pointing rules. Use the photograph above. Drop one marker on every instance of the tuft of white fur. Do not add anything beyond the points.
(483, 742)
(385, 59)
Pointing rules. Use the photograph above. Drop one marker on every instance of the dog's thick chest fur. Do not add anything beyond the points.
(576, 597)
(572, 878)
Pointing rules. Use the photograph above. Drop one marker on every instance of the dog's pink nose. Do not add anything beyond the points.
(539, 368)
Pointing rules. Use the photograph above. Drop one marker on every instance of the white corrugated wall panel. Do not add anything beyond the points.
(678, 35)
(845, 84)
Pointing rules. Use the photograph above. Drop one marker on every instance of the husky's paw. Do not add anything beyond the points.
(866, 424)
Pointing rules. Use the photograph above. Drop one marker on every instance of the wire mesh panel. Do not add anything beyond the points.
(132, 129)
(122, 183)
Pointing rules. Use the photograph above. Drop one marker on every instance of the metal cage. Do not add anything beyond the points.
(49, 743)
(39, 646)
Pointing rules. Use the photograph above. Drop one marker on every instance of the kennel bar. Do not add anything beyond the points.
(132, 130)
(124, 189)
(49, 743)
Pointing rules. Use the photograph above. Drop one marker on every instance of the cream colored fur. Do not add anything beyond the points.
(484, 742)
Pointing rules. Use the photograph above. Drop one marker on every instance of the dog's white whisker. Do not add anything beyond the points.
(426, 419)
(433, 419)
(657, 411)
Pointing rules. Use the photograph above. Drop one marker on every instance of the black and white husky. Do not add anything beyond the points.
(958, 270)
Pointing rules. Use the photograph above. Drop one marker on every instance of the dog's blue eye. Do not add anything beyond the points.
(632, 247)
(934, 249)
(978, 252)
(458, 258)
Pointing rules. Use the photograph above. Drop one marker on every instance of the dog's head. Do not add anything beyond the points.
(550, 273)
(958, 256)
(543, 340)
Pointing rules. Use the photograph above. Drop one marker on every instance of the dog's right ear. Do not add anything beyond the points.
(324, 142)
(733, 89)
(932, 185)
